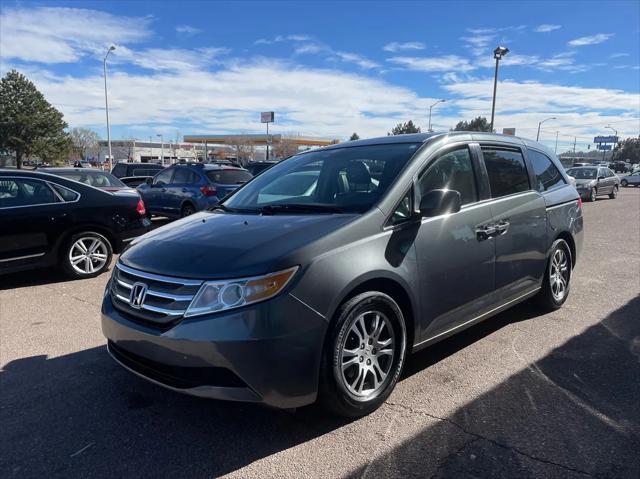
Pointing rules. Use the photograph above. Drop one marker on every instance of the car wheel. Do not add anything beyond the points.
(594, 193)
(614, 193)
(187, 210)
(364, 355)
(624, 183)
(87, 255)
(557, 279)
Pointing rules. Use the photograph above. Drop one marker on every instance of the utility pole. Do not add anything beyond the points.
(161, 149)
(575, 139)
(556, 150)
(150, 150)
(106, 100)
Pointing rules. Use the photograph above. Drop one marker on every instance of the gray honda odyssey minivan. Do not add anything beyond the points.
(314, 280)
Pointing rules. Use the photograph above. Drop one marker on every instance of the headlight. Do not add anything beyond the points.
(222, 295)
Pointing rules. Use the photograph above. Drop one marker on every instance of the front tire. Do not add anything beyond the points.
(364, 355)
(593, 195)
(557, 278)
(624, 183)
(86, 255)
(614, 193)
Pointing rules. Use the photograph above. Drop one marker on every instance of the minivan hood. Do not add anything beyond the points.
(223, 245)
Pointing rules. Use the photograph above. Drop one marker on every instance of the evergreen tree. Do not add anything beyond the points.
(404, 128)
(477, 124)
(354, 137)
(29, 125)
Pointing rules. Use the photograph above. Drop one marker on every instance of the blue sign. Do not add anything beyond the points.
(604, 147)
(605, 139)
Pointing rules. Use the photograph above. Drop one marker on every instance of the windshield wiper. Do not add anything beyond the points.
(220, 207)
(299, 208)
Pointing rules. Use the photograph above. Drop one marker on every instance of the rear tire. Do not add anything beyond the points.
(86, 255)
(363, 356)
(624, 183)
(187, 210)
(557, 277)
(614, 193)
(594, 194)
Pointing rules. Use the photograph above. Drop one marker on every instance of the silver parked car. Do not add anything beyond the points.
(593, 181)
(631, 180)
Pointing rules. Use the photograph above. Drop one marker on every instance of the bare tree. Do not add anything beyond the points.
(85, 142)
(284, 148)
(243, 148)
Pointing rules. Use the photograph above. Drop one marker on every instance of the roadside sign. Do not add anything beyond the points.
(604, 147)
(267, 117)
(509, 131)
(605, 139)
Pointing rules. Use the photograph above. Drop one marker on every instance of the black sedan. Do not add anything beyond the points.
(47, 220)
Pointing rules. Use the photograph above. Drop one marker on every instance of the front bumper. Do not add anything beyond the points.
(268, 353)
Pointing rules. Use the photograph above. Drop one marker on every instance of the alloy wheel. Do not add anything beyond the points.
(88, 255)
(367, 353)
(559, 274)
(594, 193)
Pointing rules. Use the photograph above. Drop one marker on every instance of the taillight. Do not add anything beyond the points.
(140, 209)
(580, 202)
(209, 190)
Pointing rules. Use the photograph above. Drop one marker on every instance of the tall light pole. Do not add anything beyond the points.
(106, 100)
(161, 149)
(498, 53)
(150, 149)
(556, 150)
(539, 124)
(439, 101)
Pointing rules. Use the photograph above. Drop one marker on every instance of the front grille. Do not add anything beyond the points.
(166, 299)
(180, 377)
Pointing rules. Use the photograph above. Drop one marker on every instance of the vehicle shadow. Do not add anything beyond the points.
(574, 413)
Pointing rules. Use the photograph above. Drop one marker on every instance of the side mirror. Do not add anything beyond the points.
(440, 202)
(600, 178)
(148, 181)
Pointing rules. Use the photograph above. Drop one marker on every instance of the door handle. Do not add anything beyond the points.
(184, 190)
(502, 227)
(485, 232)
(163, 190)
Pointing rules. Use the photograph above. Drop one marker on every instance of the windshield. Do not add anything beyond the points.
(349, 179)
(583, 173)
(97, 179)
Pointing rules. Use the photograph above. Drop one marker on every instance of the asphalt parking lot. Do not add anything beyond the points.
(521, 395)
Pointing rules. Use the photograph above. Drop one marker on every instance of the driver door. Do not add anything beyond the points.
(156, 194)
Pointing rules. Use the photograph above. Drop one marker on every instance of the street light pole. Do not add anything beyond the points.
(150, 149)
(498, 53)
(615, 143)
(556, 150)
(439, 101)
(539, 124)
(161, 149)
(106, 100)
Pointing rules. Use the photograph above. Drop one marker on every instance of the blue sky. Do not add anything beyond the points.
(331, 68)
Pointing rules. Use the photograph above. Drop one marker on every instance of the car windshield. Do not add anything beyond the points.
(98, 179)
(349, 179)
(583, 173)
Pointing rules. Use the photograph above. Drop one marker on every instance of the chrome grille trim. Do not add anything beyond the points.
(166, 299)
(158, 277)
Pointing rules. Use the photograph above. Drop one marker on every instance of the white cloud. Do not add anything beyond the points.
(187, 30)
(176, 59)
(446, 63)
(359, 60)
(479, 42)
(618, 55)
(397, 46)
(283, 38)
(63, 35)
(546, 27)
(590, 40)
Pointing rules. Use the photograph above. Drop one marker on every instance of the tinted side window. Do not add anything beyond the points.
(454, 171)
(547, 175)
(227, 177)
(183, 176)
(506, 170)
(24, 192)
(65, 193)
(119, 170)
(164, 177)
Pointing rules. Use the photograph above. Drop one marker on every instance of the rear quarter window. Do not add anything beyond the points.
(547, 174)
(229, 177)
